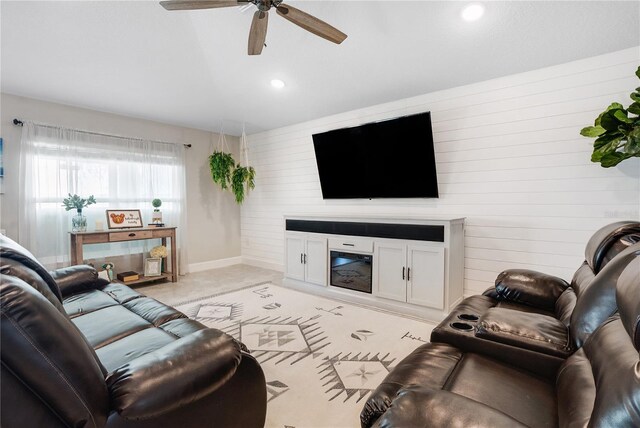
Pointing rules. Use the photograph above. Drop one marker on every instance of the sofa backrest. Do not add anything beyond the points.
(604, 244)
(46, 362)
(599, 385)
(597, 301)
(18, 261)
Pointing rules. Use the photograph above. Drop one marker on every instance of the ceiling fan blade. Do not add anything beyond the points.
(311, 23)
(200, 4)
(258, 32)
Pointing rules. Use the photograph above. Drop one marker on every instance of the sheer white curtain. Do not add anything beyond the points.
(120, 172)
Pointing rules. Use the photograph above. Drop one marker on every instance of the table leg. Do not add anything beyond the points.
(77, 257)
(72, 255)
(174, 258)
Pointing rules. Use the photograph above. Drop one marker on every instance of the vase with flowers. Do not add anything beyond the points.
(79, 221)
(159, 252)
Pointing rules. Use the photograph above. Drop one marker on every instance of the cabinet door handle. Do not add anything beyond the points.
(301, 259)
(305, 259)
(348, 245)
(403, 268)
(408, 274)
(132, 235)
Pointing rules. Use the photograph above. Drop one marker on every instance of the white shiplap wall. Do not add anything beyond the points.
(509, 158)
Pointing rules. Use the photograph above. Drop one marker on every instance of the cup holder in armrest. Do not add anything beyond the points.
(468, 317)
(462, 326)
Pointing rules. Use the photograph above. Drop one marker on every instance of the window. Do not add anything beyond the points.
(119, 172)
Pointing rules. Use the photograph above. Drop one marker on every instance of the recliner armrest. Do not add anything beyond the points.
(536, 332)
(76, 279)
(530, 288)
(175, 375)
(418, 406)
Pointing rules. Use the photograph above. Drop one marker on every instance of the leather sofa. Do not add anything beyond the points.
(535, 320)
(77, 351)
(439, 385)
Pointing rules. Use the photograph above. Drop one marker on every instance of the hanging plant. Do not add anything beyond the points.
(617, 133)
(242, 176)
(221, 164)
(239, 178)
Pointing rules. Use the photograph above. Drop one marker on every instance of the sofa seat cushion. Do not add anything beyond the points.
(430, 366)
(121, 293)
(123, 325)
(130, 347)
(182, 327)
(525, 397)
(84, 303)
(516, 393)
(539, 333)
(107, 325)
(417, 406)
(152, 311)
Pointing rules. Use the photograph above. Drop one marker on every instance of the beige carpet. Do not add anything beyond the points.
(321, 357)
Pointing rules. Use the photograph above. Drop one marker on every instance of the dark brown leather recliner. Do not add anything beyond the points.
(78, 352)
(439, 385)
(537, 320)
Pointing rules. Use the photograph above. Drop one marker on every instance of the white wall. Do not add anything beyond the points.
(213, 216)
(509, 158)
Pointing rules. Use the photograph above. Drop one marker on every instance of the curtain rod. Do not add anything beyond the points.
(18, 122)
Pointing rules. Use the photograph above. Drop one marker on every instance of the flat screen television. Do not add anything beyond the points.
(388, 159)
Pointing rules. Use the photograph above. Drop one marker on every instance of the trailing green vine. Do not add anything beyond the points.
(221, 164)
(242, 175)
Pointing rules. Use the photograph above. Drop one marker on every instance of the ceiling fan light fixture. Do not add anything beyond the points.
(277, 83)
(472, 12)
(258, 30)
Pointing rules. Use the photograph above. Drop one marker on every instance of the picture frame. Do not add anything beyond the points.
(152, 266)
(124, 219)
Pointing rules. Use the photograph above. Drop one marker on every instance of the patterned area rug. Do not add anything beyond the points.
(321, 357)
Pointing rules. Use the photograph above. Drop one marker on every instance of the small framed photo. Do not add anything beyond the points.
(153, 267)
(124, 219)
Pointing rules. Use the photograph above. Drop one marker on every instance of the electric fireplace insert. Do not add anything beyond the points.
(351, 271)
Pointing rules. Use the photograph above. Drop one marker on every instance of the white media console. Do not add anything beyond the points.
(408, 265)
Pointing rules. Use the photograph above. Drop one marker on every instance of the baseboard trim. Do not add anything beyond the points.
(214, 264)
(262, 263)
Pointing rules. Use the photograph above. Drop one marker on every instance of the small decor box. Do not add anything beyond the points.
(128, 276)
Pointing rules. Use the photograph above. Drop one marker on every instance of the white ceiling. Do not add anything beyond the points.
(191, 68)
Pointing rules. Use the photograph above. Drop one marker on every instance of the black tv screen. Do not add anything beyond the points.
(387, 159)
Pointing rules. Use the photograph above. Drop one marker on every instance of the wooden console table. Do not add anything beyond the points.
(78, 239)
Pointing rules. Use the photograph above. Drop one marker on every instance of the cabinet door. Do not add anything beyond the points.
(316, 261)
(295, 253)
(426, 276)
(390, 268)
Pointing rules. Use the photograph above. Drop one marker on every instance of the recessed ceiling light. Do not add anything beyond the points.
(277, 83)
(473, 12)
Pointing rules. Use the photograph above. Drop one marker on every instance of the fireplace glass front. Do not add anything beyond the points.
(351, 271)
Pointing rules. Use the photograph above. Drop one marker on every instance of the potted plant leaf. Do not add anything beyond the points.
(243, 177)
(221, 164)
(242, 180)
(617, 132)
(78, 222)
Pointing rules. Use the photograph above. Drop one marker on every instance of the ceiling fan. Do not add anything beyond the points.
(258, 31)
